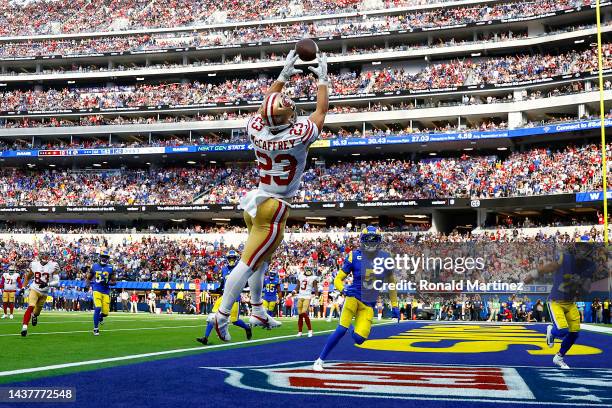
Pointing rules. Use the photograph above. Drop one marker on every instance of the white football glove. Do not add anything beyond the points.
(321, 70)
(288, 70)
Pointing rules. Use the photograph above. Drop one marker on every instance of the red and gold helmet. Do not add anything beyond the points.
(278, 111)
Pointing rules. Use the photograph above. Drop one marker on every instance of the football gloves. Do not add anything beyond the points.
(289, 69)
(321, 70)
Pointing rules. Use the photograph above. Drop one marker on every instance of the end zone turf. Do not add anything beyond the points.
(463, 371)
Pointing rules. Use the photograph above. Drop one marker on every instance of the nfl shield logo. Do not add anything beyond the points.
(385, 380)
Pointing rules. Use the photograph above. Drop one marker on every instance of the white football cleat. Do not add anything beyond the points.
(329, 320)
(264, 320)
(11, 317)
(4, 316)
(558, 360)
(550, 340)
(96, 332)
(318, 365)
(309, 333)
(299, 334)
(221, 324)
(24, 330)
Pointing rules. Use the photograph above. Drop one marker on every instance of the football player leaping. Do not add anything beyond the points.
(572, 273)
(232, 260)
(45, 274)
(280, 141)
(10, 283)
(103, 275)
(307, 282)
(360, 295)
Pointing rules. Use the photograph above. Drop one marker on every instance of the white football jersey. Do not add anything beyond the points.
(10, 281)
(46, 273)
(281, 157)
(306, 286)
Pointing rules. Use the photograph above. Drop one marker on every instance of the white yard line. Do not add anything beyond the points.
(30, 333)
(596, 329)
(155, 354)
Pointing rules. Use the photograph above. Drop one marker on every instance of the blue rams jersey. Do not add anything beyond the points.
(270, 289)
(361, 265)
(102, 275)
(224, 274)
(570, 278)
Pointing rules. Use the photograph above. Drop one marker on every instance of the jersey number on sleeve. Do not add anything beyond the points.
(264, 162)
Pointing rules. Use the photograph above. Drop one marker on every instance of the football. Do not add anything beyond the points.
(306, 49)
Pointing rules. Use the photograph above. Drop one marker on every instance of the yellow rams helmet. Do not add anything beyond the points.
(278, 112)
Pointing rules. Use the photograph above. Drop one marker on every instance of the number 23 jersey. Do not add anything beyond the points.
(281, 159)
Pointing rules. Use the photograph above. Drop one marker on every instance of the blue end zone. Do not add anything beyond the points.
(374, 377)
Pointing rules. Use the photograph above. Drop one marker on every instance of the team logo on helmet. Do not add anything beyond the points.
(232, 258)
(278, 111)
(371, 238)
(104, 256)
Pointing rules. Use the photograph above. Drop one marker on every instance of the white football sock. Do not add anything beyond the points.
(256, 285)
(233, 286)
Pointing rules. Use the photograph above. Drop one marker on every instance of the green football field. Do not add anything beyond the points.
(65, 340)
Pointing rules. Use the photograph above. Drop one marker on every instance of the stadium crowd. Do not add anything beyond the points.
(42, 17)
(165, 186)
(435, 76)
(534, 172)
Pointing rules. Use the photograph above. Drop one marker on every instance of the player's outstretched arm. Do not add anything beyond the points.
(27, 278)
(286, 74)
(318, 116)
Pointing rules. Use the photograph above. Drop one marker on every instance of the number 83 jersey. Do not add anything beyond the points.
(281, 158)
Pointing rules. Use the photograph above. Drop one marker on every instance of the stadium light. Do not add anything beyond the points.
(476, 54)
(221, 219)
(579, 41)
(355, 154)
(502, 148)
(433, 154)
(468, 149)
(191, 162)
(52, 165)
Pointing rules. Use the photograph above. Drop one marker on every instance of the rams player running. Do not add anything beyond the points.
(572, 273)
(360, 296)
(103, 275)
(232, 260)
(280, 140)
(271, 292)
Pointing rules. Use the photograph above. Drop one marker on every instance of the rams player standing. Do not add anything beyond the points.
(103, 275)
(271, 292)
(280, 140)
(307, 284)
(45, 274)
(232, 260)
(572, 273)
(360, 298)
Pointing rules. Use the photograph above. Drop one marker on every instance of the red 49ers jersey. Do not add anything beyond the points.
(281, 157)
